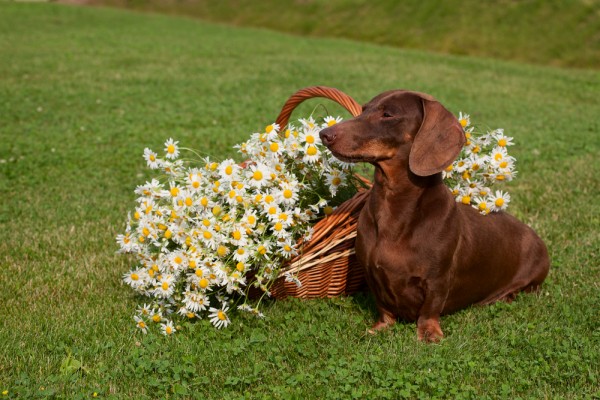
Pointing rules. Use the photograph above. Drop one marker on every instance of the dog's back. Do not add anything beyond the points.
(496, 257)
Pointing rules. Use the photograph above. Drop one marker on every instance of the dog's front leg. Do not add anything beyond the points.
(428, 322)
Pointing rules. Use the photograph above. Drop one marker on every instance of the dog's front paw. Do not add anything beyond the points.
(429, 330)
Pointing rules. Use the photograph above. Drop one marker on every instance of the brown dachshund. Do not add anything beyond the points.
(424, 254)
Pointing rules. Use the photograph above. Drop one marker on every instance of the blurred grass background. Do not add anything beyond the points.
(550, 32)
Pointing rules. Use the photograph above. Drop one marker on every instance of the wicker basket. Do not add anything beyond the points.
(327, 266)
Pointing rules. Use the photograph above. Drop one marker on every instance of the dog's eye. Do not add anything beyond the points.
(387, 115)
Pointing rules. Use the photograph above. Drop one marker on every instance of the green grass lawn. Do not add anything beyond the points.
(550, 32)
(82, 93)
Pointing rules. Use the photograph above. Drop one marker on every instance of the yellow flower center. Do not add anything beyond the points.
(241, 251)
(283, 216)
(272, 210)
(152, 158)
(165, 285)
(287, 248)
(500, 177)
(203, 283)
(156, 318)
(221, 314)
(262, 249)
(168, 234)
(466, 199)
(311, 151)
(216, 210)
(269, 199)
(207, 235)
(483, 206)
(178, 260)
(168, 330)
(145, 231)
(503, 164)
(257, 175)
(195, 184)
(287, 193)
(134, 276)
(188, 201)
(463, 122)
(278, 226)
(502, 142)
(199, 273)
(136, 215)
(228, 170)
(237, 235)
(213, 166)
(499, 202)
(221, 251)
(192, 264)
(336, 181)
(171, 149)
(240, 266)
(251, 219)
(274, 147)
(331, 122)
(142, 324)
(268, 128)
(204, 201)
(174, 191)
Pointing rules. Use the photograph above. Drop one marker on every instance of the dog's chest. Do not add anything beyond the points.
(380, 243)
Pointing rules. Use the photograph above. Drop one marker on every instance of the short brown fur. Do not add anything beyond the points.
(425, 255)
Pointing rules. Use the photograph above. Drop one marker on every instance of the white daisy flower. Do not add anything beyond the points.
(141, 324)
(218, 317)
(171, 149)
(228, 171)
(135, 278)
(502, 139)
(330, 121)
(195, 301)
(464, 119)
(144, 310)
(166, 286)
(167, 328)
(334, 179)
(499, 200)
(482, 204)
(152, 159)
(258, 175)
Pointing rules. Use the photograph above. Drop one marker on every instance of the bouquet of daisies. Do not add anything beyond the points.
(483, 162)
(205, 233)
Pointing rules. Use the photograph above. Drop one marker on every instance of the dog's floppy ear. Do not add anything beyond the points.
(438, 142)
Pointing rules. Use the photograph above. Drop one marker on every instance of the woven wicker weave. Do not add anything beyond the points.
(327, 266)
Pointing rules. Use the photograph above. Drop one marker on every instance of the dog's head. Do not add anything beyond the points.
(399, 124)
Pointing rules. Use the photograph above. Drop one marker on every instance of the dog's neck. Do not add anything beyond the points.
(394, 177)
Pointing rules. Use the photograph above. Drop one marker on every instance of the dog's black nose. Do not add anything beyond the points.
(327, 136)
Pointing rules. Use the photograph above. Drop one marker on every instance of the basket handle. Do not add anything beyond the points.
(317, 91)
